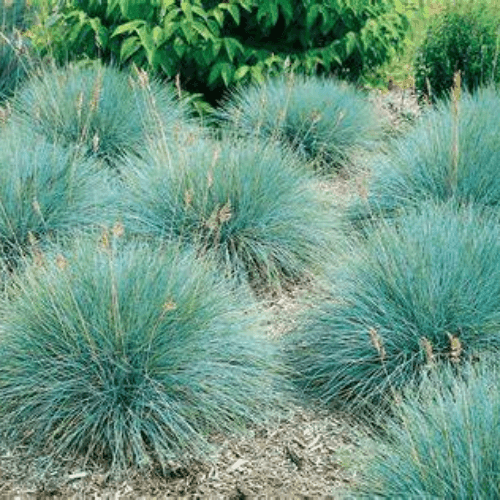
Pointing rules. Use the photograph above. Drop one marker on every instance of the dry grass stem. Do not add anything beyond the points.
(377, 343)
(455, 348)
(429, 354)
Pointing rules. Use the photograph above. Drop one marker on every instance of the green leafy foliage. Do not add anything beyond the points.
(249, 203)
(415, 293)
(103, 111)
(131, 355)
(45, 192)
(464, 37)
(213, 45)
(444, 442)
(324, 120)
(452, 153)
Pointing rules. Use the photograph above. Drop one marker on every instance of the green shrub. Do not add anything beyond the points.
(324, 120)
(248, 203)
(421, 291)
(464, 37)
(131, 355)
(214, 44)
(444, 443)
(44, 191)
(101, 110)
(452, 153)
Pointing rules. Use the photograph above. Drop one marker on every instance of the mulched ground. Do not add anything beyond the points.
(311, 454)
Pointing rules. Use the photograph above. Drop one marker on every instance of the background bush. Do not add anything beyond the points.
(444, 443)
(324, 120)
(452, 153)
(213, 44)
(464, 37)
(106, 113)
(131, 356)
(44, 192)
(414, 293)
(248, 203)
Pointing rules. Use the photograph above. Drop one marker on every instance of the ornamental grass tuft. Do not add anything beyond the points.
(13, 63)
(131, 356)
(412, 294)
(249, 204)
(322, 119)
(14, 60)
(444, 441)
(45, 192)
(105, 112)
(452, 153)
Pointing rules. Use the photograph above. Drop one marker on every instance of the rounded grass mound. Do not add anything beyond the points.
(106, 112)
(324, 120)
(453, 153)
(44, 192)
(445, 441)
(248, 203)
(131, 355)
(414, 293)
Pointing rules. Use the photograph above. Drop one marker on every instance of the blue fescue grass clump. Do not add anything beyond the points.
(250, 204)
(324, 120)
(424, 290)
(13, 64)
(452, 153)
(444, 441)
(131, 355)
(103, 111)
(45, 191)
(14, 60)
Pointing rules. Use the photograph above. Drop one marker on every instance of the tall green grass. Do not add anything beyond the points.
(424, 290)
(324, 120)
(249, 204)
(444, 440)
(131, 355)
(105, 112)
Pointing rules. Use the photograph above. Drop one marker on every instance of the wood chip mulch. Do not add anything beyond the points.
(311, 455)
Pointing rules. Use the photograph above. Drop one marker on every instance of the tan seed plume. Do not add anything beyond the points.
(377, 343)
